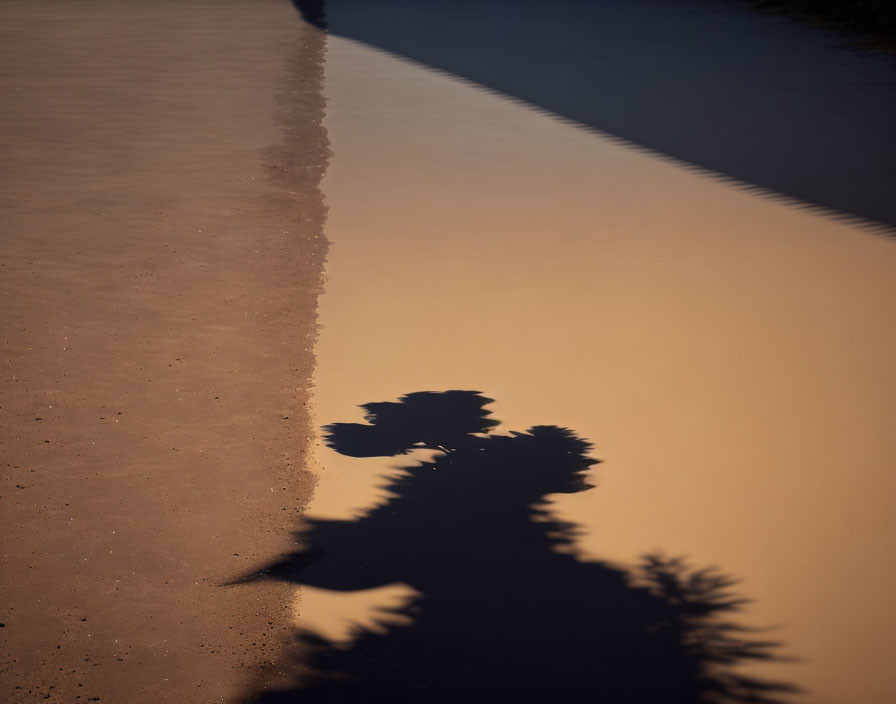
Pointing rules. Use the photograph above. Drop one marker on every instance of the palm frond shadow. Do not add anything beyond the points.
(506, 610)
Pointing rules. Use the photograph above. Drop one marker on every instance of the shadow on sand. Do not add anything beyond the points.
(506, 611)
(708, 82)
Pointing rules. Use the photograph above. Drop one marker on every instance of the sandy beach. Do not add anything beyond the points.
(642, 257)
(161, 254)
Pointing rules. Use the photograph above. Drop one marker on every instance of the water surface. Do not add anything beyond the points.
(729, 354)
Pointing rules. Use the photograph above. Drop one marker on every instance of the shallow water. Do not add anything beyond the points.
(751, 96)
(729, 354)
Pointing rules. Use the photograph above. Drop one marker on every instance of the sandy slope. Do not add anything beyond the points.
(160, 266)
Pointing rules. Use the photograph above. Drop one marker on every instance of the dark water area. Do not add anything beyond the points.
(752, 97)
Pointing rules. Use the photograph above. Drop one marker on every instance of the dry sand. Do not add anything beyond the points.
(161, 254)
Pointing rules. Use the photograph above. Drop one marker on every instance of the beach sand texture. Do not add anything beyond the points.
(161, 251)
(730, 354)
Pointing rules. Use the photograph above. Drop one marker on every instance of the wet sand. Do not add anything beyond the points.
(161, 252)
(729, 354)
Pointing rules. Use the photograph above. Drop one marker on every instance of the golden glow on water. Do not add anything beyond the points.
(731, 356)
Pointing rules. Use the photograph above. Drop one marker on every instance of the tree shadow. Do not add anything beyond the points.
(506, 611)
(749, 97)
